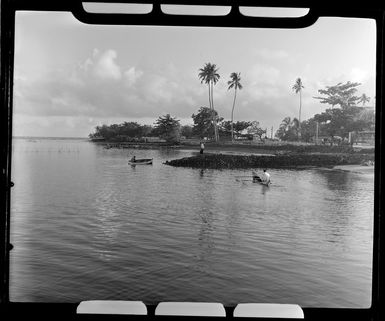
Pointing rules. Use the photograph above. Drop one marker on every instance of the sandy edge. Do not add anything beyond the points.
(355, 168)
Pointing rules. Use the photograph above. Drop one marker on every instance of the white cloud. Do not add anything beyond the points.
(104, 88)
(264, 82)
(95, 52)
(84, 92)
(263, 73)
(132, 75)
(358, 75)
(271, 54)
(87, 64)
(106, 67)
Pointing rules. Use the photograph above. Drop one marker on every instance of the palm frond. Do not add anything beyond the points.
(234, 81)
(298, 86)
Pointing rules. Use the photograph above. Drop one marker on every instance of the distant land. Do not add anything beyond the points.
(41, 137)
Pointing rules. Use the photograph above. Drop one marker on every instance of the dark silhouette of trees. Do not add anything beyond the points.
(168, 128)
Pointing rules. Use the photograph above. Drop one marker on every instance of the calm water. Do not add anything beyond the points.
(85, 225)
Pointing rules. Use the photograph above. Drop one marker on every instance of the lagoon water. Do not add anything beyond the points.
(86, 225)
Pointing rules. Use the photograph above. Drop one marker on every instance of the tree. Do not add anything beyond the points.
(363, 99)
(131, 129)
(209, 75)
(297, 87)
(255, 129)
(234, 82)
(332, 122)
(104, 131)
(288, 129)
(186, 131)
(168, 128)
(309, 130)
(228, 127)
(240, 126)
(203, 124)
(339, 122)
(367, 115)
(125, 131)
(340, 94)
(348, 118)
(225, 128)
(145, 130)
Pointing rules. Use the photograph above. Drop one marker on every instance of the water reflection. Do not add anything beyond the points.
(108, 227)
(264, 189)
(205, 241)
(335, 179)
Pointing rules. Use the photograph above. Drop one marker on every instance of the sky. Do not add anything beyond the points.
(70, 77)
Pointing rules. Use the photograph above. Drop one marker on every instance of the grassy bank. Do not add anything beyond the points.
(257, 148)
(258, 155)
(273, 147)
(291, 160)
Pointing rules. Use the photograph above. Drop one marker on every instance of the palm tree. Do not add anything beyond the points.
(209, 75)
(364, 99)
(288, 129)
(288, 123)
(297, 87)
(204, 76)
(234, 82)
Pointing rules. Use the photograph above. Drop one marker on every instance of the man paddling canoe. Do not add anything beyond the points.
(264, 178)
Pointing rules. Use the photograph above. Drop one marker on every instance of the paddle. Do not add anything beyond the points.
(253, 181)
(243, 175)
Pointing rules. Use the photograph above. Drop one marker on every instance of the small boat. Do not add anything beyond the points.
(140, 161)
(257, 179)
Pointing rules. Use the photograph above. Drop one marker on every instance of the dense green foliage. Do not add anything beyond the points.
(123, 132)
(203, 122)
(335, 122)
(168, 128)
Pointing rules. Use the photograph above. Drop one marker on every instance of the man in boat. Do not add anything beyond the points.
(265, 177)
(256, 177)
(133, 159)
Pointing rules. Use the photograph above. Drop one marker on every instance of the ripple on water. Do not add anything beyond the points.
(100, 229)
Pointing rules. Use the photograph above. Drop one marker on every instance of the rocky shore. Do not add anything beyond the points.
(290, 160)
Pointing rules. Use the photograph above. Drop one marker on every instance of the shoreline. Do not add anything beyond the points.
(244, 148)
(361, 169)
(227, 155)
(337, 161)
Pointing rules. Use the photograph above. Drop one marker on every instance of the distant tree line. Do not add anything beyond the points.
(169, 128)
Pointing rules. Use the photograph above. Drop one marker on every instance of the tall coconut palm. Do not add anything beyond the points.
(297, 87)
(234, 82)
(288, 129)
(209, 75)
(205, 76)
(364, 99)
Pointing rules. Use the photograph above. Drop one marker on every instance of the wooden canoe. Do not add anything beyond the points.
(141, 161)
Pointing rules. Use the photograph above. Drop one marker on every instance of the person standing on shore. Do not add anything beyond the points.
(202, 148)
